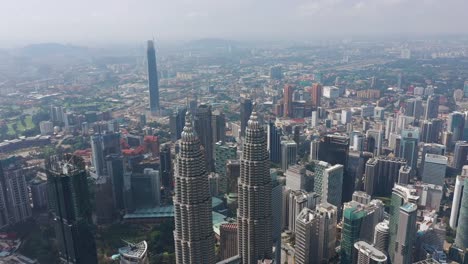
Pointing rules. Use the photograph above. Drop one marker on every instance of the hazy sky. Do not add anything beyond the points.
(103, 21)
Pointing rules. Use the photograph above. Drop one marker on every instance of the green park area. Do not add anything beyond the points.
(159, 238)
(20, 125)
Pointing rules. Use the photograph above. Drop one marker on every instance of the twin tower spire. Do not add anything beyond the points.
(193, 235)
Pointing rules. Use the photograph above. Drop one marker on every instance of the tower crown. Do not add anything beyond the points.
(253, 121)
(188, 134)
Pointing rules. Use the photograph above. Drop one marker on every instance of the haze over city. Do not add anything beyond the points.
(90, 22)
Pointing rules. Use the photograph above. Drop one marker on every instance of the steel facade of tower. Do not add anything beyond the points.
(193, 235)
(316, 94)
(70, 207)
(461, 239)
(245, 112)
(288, 98)
(204, 129)
(254, 195)
(152, 77)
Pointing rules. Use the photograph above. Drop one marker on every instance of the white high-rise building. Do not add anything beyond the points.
(307, 237)
(346, 116)
(382, 236)
(46, 127)
(457, 198)
(368, 254)
(314, 119)
(299, 200)
(329, 182)
(316, 234)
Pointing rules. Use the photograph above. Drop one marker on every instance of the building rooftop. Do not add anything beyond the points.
(427, 261)
(409, 207)
(434, 158)
(137, 250)
(370, 251)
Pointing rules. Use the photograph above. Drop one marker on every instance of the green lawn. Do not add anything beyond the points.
(20, 127)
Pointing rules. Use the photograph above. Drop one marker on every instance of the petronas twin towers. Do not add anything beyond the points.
(254, 194)
(193, 235)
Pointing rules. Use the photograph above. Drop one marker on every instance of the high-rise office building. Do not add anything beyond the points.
(327, 235)
(307, 237)
(204, 130)
(414, 108)
(359, 221)
(381, 173)
(461, 238)
(409, 146)
(316, 94)
(103, 145)
(276, 72)
(219, 126)
(152, 180)
(288, 154)
(246, 107)
(427, 132)
(38, 193)
(153, 82)
(298, 200)
(405, 235)
(223, 153)
(381, 236)
(232, 175)
(368, 254)
(401, 194)
(328, 182)
(374, 140)
(165, 167)
(465, 128)
(287, 100)
(193, 234)
(404, 174)
(346, 116)
(297, 178)
(104, 201)
(432, 107)
(274, 142)
(177, 122)
(228, 240)
(116, 171)
(334, 149)
(460, 155)
(15, 206)
(456, 125)
(314, 150)
(70, 207)
(457, 198)
(434, 168)
(254, 214)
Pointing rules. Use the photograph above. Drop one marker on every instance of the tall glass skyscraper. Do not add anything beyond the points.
(193, 234)
(70, 207)
(152, 78)
(254, 214)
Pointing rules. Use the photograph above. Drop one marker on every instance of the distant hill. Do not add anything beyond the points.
(211, 43)
(52, 49)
